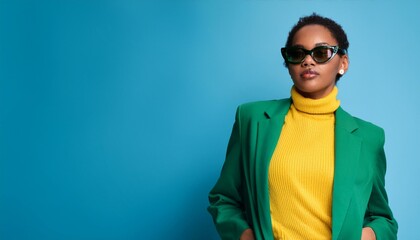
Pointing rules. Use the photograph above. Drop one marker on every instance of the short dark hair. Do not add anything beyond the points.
(315, 19)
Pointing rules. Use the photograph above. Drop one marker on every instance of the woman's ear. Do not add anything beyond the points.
(344, 63)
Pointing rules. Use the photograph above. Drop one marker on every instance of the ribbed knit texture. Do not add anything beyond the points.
(302, 170)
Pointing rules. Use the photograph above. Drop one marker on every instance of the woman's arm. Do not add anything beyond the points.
(226, 204)
(379, 216)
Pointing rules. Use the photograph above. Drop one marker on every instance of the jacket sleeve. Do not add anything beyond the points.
(226, 205)
(379, 215)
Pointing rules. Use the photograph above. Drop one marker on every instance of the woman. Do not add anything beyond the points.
(303, 168)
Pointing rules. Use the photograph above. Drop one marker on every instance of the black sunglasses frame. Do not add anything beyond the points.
(335, 49)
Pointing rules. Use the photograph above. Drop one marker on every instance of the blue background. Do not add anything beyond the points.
(115, 115)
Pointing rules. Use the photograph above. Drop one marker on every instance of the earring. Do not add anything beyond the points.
(341, 72)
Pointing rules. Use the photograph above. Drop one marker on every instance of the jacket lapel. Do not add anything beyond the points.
(269, 129)
(347, 153)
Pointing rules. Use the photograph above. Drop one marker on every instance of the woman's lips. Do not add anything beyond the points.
(309, 74)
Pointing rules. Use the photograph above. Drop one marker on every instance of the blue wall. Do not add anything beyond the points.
(115, 115)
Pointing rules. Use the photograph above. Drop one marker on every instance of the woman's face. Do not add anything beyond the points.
(312, 79)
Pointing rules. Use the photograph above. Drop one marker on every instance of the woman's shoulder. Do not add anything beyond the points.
(368, 129)
(366, 124)
(259, 108)
(371, 130)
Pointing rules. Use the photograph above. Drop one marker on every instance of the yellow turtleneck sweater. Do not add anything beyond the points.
(301, 170)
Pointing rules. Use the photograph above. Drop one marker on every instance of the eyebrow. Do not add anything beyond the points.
(322, 44)
(316, 45)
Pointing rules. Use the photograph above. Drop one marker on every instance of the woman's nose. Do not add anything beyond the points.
(308, 61)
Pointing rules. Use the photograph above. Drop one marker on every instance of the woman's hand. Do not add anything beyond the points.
(368, 234)
(248, 234)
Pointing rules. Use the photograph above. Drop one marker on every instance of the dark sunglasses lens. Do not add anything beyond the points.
(295, 55)
(322, 54)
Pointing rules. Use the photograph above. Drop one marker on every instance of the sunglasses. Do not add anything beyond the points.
(320, 54)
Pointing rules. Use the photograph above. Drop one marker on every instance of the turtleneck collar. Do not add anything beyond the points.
(325, 105)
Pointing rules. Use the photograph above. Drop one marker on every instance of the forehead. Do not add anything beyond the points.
(311, 35)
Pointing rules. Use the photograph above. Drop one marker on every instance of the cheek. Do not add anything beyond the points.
(331, 69)
(334, 71)
(335, 67)
(293, 71)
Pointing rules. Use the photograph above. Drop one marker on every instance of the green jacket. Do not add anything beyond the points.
(240, 198)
